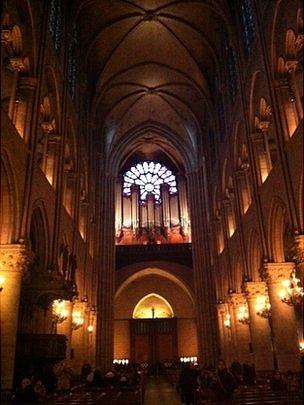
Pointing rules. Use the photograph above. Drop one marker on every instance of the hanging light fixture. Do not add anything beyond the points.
(243, 314)
(227, 321)
(77, 319)
(59, 311)
(291, 292)
(262, 306)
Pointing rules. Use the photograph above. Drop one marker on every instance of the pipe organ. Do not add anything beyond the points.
(151, 206)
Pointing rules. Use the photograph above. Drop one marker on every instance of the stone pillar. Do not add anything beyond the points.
(78, 341)
(262, 159)
(259, 328)
(285, 338)
(16, 65)
(65, 328)
(14, 261)
(23, 110)
(204, 283)
(106, 274)
(118, 207)
(242, 336)
(224, 332)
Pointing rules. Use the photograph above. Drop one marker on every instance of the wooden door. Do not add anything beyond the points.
(153, 340)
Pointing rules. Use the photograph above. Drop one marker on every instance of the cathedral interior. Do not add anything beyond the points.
(151, 184)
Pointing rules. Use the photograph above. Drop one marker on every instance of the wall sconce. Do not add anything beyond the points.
(227, 321)
(59, 311)
(90, 328)
(77, 319)
(243, 314)
(291, 292)
(262, 306)
(2, 282)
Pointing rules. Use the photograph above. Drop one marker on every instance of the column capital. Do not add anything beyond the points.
(15, 257)
(28, 83)
(238, 299)
(255, 288)
(222, 308)
(17, 64)
(276, 272)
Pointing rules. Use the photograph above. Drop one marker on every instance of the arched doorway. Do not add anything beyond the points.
(154, 318)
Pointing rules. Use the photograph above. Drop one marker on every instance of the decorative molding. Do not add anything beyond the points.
(255, 288)
(15, 258)
(277, 272)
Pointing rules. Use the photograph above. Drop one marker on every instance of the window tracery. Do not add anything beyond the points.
(55, 22)
(149, 176)
(72, 62)
(248, 24)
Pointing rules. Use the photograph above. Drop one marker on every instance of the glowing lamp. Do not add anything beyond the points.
(59, 311)
(77, 319)
(262, 306)
(291, 292)
(301, 346)
(90, 328)
(227, 321)
(2, 282)
(243, 314)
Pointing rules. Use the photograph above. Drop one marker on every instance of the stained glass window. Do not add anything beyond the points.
(232, 72)
(72, 62)
(55, 22)
(149, 176)
(248, 24)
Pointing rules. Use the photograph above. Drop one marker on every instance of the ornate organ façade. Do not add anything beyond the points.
(151, 206)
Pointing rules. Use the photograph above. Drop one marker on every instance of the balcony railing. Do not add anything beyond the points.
(177, 252)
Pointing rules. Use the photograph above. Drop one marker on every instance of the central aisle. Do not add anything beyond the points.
(160, 392)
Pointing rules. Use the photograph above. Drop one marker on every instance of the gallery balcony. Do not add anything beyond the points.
(178, 252)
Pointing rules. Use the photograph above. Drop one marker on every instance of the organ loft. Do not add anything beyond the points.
(151, 199)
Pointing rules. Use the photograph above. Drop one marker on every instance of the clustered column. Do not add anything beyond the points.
(14, 262)
(203, 277)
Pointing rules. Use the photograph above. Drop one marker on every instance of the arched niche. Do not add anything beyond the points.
(153, 306)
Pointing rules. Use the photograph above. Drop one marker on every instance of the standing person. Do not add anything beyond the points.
(188, 384)
(225, 384)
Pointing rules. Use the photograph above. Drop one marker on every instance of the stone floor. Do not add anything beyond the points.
(160, 392)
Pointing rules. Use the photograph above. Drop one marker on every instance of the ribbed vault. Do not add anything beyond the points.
(151, 64)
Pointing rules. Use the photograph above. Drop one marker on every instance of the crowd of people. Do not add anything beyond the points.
(219, 384)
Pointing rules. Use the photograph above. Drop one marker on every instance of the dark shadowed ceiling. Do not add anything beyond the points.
(151, 68)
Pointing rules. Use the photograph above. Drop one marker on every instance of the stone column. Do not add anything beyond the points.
(23, 111)
(106, 274)
(204, 284)
(283, 317)
(224, 332)
(242, 332)
(259, 328)
(78, 341)
(65, 328)
(118, 206)
(14, 261)
(16, 65)
(262, 159)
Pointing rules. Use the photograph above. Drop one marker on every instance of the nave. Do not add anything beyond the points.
(159, 391)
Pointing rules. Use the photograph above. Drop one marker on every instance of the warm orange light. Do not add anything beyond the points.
(90, 328)
(2, 282)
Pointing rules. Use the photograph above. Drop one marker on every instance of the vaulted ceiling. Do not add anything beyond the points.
(151, 67)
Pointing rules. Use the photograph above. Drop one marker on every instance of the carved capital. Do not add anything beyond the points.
(238, 299)
(6, 36)
(255, 288)
(17, 64)
(222, 308)
(46, 127)
(15, 258)
(277, 272)
(28, 83)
